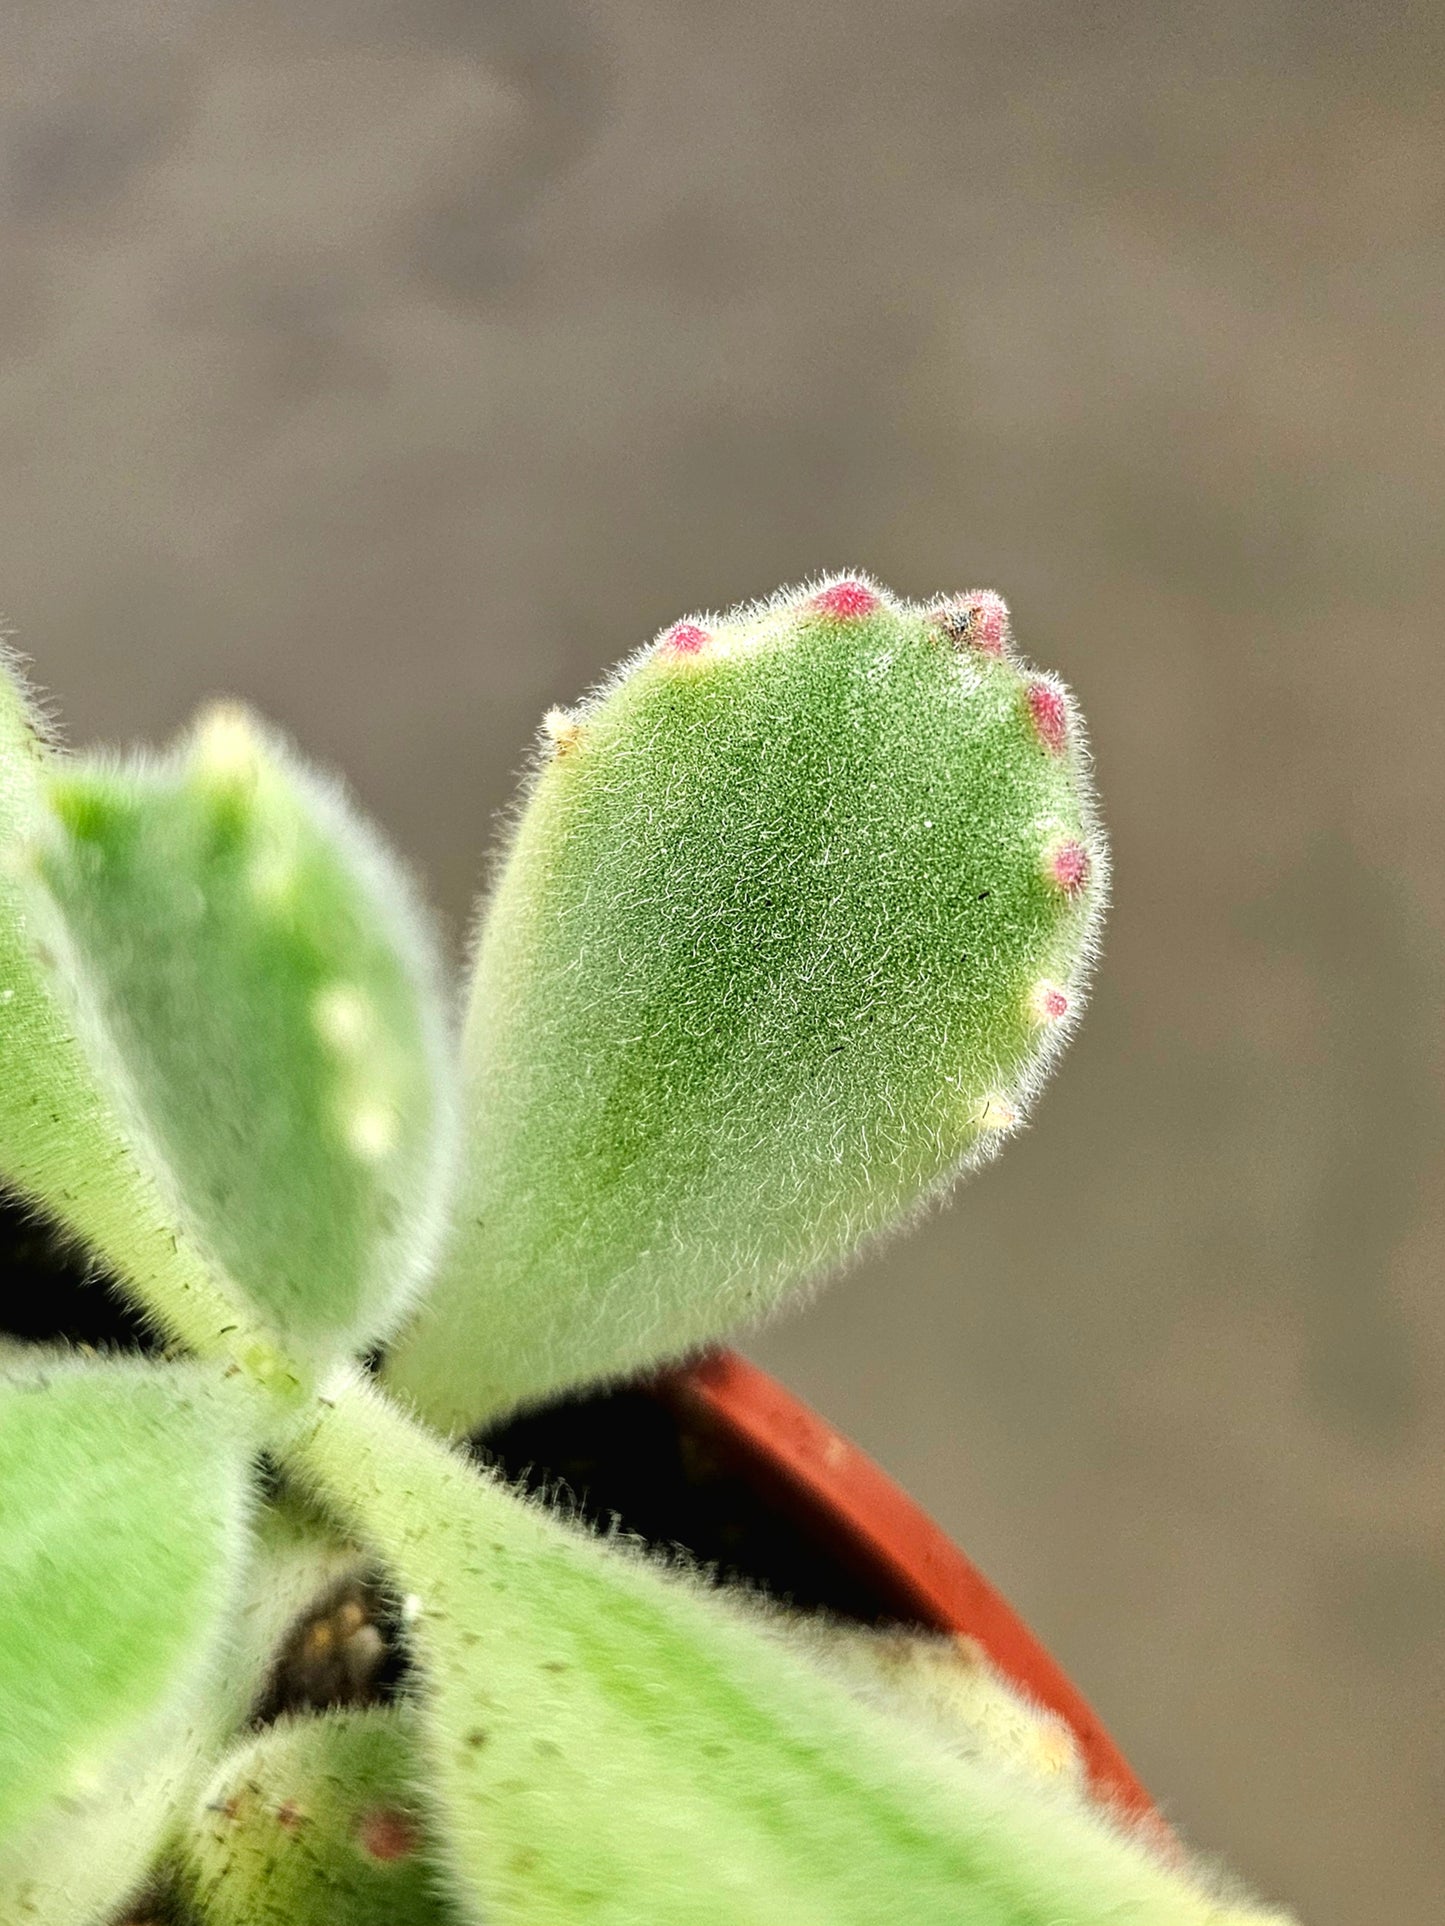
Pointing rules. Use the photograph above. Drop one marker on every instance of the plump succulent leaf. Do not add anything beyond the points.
(945, 1686)
(62, 1142)
(315, 1822)
(795, 917)
(122, 1531)
(609, 1745)
(84, 1858)
(90, 1852)
(251, 969)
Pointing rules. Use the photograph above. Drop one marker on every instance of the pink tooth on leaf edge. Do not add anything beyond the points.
(978, 620)
(847, 601)
(1050, 716)
(1068, 866)
(684, 638)
(1050, 1003)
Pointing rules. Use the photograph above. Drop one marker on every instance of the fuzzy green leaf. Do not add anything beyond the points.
(250, 965)
(94, 1849)
(61, 1140)
(315, 1822)
(609, 1745)
(944, 1686)
(796, 916)
(88, 1854)
(122, 1529)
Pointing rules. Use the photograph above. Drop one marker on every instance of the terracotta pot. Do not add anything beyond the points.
(835, 1494)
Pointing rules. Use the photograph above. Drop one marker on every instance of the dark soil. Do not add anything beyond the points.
(622, 1458)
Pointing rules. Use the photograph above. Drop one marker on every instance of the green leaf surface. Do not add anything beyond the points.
(611, 1746)
(251, 964)
(315, 1822)
(943, 1685)
(62, 1142)
(797, 914)
(86, 1855)
(122, 1530)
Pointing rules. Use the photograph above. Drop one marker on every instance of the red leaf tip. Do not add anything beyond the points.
(1050, 716)
(845, 601)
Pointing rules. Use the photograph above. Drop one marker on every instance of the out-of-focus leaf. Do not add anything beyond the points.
(315, 1822)
(122, 1530)
(250, 964)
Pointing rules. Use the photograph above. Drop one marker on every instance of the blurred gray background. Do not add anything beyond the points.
(397, 366)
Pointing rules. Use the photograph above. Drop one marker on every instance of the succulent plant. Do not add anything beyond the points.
(794, 917)
(793, 922)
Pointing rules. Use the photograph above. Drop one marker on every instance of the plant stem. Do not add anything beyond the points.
(608, 1742)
